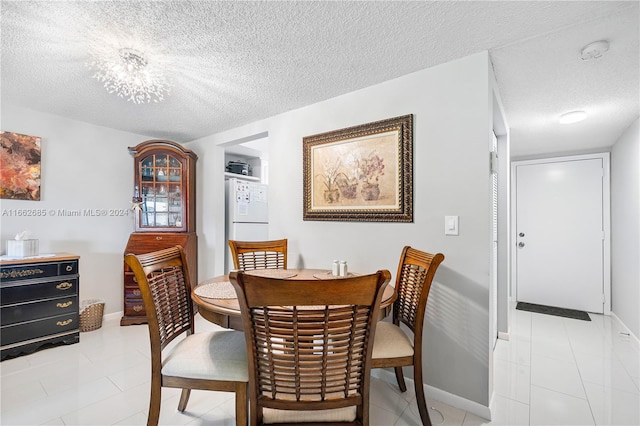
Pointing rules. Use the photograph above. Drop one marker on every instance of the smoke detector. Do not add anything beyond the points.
(594, 50)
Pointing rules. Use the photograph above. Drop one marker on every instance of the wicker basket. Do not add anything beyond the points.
(91, 314)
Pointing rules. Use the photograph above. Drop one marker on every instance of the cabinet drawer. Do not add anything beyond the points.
(130, 280)
(28, 272)
(132, 293)
(131, 289)
(134, 308)
(36, 310)
(38, 270)
(38, 328)
(10, 294)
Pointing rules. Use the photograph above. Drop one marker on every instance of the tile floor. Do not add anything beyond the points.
(553, 371)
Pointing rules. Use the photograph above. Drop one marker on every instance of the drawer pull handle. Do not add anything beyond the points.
(63, 323)
(64, 286)
(69, 268)
(65, 304)
(137, 308)
(137, 292)
(135, 280)
(158, 238)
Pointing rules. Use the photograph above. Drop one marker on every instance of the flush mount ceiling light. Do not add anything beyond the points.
(572, 117)
(594, 50)
(127, 73)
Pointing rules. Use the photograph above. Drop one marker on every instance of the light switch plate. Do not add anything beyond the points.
(451, 225)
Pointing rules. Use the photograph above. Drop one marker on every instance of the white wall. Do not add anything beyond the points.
(452, 107)
(625, 228)
(83, 167)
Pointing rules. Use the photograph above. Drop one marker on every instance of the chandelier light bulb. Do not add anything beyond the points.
(128, 74)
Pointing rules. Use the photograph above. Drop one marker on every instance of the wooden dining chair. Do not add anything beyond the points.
(214, 360)
(309, 346)
(392, 346)
(248, 255)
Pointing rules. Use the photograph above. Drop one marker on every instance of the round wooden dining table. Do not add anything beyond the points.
(216, 301)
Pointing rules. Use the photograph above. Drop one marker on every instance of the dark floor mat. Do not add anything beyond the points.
(552, 310)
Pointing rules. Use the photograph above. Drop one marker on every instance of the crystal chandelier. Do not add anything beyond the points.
(127, 73)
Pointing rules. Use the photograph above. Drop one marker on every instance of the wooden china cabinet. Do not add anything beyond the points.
(164, 201)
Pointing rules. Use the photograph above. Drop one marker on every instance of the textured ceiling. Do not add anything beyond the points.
(232, 63)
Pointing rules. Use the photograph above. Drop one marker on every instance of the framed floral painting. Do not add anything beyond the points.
(19, 166)
(362, 173)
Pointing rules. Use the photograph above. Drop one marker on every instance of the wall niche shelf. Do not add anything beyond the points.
(228, 175)
(247, 156)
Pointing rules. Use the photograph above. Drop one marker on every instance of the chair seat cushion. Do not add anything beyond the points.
(391, 342)
(216, 355)
(270, 415)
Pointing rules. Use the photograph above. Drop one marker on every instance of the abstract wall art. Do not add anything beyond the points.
(19, 166)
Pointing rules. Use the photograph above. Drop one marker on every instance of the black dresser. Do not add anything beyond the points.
(39, 303)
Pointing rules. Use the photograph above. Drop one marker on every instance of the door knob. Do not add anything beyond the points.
(521, 234)
(521, 244)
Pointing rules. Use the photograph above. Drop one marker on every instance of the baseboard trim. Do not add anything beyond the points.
(626, 329)
(458, 402)
(439, 395)
(113, 316)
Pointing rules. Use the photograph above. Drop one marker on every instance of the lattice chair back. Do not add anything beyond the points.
(309, 346)
(413, 283)
(248, 255)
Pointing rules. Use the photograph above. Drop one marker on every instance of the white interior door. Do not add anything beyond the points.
(560, 234)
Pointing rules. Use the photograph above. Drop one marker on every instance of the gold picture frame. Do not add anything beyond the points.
(362, 173)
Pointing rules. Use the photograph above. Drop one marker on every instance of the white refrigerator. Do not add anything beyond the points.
(247, 213)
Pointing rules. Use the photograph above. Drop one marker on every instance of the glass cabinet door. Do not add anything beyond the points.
(161, 180)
